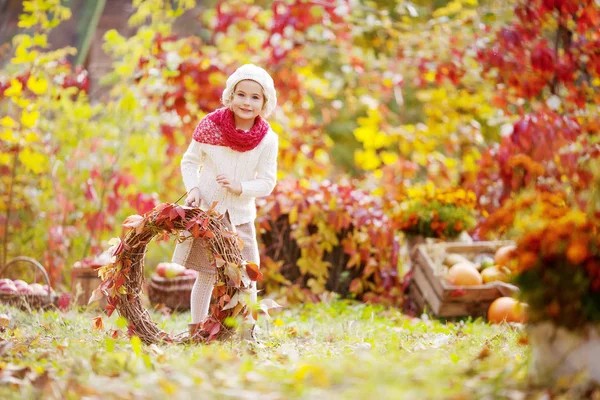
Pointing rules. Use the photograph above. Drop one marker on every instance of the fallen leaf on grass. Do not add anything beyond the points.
(97, 324)
(5, 319)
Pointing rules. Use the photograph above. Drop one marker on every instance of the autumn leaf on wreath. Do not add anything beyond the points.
(266, 304)
(175, 212)
(233, 302)
(135, 221)
(97, 324)
(96, 295)
(219, 261)
(233, 272)
(253, 272)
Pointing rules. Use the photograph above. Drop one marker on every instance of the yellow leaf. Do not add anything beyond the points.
(367, 159)
(8, 122)
(40, 40)
(8, 136)
(113, 37)
(31, 137)
(293, 216)
(430, 76)
(35, 162)
(27, 21)
(15, 88)
(128, 102)
(29, 119)
(37, 86)
(388, 157)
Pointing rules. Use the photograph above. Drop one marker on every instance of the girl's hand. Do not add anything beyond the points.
(193, 197)
(233, 187)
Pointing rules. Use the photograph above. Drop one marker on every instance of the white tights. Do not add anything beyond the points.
(201, 292)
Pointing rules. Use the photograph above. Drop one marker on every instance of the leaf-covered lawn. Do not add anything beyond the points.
(334, 350)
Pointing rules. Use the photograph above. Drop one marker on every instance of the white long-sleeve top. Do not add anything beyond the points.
(255, 170)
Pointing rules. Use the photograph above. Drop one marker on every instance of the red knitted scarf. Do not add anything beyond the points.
(218, 128)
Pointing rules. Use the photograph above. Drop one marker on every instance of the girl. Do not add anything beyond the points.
(231, 160)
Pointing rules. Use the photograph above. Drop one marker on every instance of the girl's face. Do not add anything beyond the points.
(248, 100)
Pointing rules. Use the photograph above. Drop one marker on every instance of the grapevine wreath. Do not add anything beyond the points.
(122, 278)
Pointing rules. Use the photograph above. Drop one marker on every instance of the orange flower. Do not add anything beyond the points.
(553, 309)
(527, 260)
(577, 252)
(458, 226)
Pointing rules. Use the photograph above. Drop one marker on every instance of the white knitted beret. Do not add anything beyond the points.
(257, 74)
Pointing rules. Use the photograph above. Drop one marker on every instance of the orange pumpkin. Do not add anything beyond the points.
(507, 309)
(464, 274)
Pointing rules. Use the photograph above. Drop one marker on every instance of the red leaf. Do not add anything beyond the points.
(173, 214)
(208, 235)
(214, 330)
(119, 281)
(109, 310)
(356, 286)
(254, 272)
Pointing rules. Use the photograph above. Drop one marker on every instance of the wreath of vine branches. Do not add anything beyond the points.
(122, 278)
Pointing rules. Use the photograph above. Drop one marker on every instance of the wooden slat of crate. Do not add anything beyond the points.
(447, 300)
(416, 296)
(422, 281)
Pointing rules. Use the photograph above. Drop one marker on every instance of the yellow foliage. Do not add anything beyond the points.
(28, 119)
(8, 122)
(8, 135)
(33, 161)
(14, 89)
(37, 86)
(388, 157)
(367, 159)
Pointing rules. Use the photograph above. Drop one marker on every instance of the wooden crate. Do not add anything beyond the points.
(84, 280)
(429, 290)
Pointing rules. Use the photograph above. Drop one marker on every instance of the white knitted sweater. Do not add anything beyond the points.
(255, 170)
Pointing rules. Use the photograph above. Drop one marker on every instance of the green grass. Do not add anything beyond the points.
(337, 350)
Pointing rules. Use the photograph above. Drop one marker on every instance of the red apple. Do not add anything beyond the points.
(8, 287)
(20, 284)
(161, 269)
(25, 290)
(38, 288)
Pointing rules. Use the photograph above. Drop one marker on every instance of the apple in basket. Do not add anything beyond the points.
(7, 286)
(23, 287)
(38, 289)
(174, 270)
(170, 270)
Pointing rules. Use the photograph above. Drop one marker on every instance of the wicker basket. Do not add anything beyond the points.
(28, 301)
(172, 292)
(428, 289)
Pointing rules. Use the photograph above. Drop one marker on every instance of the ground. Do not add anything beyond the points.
(338, 349)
